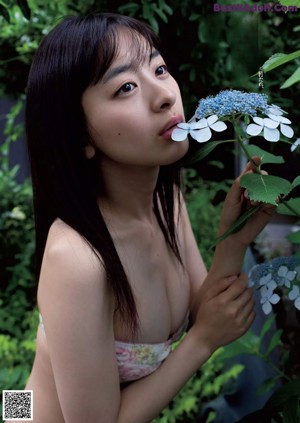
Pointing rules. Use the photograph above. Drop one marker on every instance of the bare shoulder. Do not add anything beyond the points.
(64, 240)
(66, 246)
(69, 264)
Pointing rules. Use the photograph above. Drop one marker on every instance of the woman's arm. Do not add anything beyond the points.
(77, 309)
(231, 251)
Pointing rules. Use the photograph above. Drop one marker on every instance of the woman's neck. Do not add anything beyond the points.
(128, 190)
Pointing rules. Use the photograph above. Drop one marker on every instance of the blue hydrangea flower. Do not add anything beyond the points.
(272, 267)
(231, 102)
(279, 272)
(268, 297)
(294, 295)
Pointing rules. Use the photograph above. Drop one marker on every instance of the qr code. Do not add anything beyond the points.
(17, 405)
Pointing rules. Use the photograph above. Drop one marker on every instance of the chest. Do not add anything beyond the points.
(159, 283)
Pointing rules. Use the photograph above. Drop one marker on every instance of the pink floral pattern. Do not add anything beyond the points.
(138, 360)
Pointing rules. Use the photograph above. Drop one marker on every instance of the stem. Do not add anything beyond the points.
(295, 212)
(247, 154)
(275, 368)
(241, 143)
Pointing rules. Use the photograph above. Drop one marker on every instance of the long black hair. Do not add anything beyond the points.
(73, 56)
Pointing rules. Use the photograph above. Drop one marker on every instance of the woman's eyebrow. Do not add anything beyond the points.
(112, 73)
(154, 53)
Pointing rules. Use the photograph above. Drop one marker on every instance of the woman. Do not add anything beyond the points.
(119, 271)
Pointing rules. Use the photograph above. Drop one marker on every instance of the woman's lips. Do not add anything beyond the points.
(170, 126)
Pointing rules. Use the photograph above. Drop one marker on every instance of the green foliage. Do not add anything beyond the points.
(265, 188)
(203, 211)
(265, 156)
(149, 12)
(18, 322)
(282, 407)
(207, 384)
(279, 59)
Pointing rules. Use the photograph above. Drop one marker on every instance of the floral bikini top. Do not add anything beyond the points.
(138, 360)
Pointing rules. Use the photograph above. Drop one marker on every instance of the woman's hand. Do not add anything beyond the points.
(225, 311)
(236, 203)
(229, 253)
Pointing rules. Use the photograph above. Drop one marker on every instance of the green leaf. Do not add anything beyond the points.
(266, 327)
(265, 156)
(204, 151)
(161, 14)
(294, 237)
(238, 224)
(296, 182)
(4, 13)
(294, 203)
(293, 79)
(290, 3)
(275, 341)
(279, 59)
(283, 395)
(290, 411)
(265, 188)
(23, 4)
(164, 6)
(129, 8)
(266, 386)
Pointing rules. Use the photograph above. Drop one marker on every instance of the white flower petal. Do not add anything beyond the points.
(294, 293)
(251, 283)
(295, 144)
(269, 123)
(282, 271)
(179, 134)
(276, 110)
(272, 285)
(280, 119)
(197, 125)
(291, 275)
(274, 299)
(267, 308)
(253, 129)
(212, 119)
(219, 126)
(272, 135)
(264, 292)
(265, 279)
(184, 125)
(202, 123)
(286, 130)
(297, 303)
(202, 135)
(258, 120)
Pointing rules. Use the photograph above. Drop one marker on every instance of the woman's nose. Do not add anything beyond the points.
(163, 97)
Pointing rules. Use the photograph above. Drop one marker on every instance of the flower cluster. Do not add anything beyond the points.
(270, 124)
(268, 120)
(282, 272)
(231, 102)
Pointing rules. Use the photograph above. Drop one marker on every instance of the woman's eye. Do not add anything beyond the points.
(126, 88)
(161, 70)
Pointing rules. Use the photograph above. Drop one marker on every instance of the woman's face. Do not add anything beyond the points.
(131, 112)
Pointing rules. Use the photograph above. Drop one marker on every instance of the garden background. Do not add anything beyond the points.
(206, 52)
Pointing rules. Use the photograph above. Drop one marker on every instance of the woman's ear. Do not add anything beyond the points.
(89, 151)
